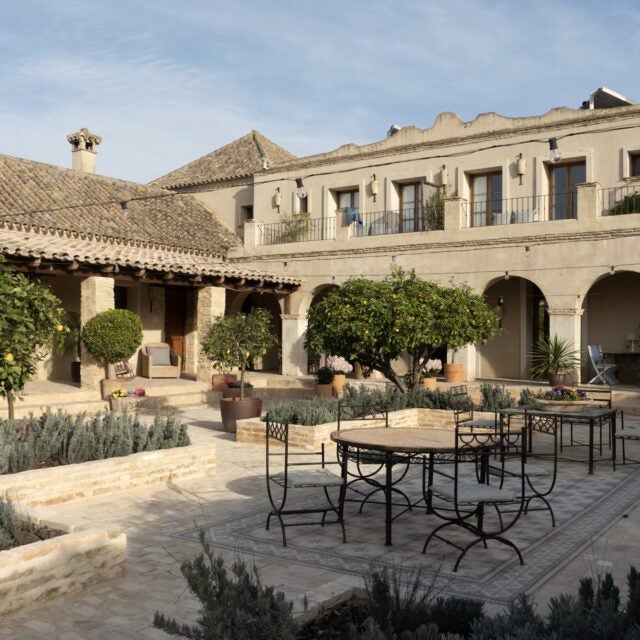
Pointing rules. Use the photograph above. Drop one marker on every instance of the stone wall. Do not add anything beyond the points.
(311, 438)
(55, 485)
(66, 564)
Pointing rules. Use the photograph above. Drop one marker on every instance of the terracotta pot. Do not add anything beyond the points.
(323, 390)
(429, 383)
(107, 385)
(233, 409)
(219, 380)
(339, 380)
(234, 392)
(453, 372)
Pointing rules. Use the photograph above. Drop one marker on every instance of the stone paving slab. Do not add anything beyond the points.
(160, 525)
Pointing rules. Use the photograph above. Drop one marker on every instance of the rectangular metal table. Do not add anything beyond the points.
(592, 417)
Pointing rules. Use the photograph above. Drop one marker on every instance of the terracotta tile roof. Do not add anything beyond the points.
(52, 197)
(63, 247)
(238, 159)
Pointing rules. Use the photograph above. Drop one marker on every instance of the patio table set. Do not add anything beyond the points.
(480, 480)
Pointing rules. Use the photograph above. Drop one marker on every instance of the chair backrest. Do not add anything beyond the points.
(602, 395)
(350, 411)
(595, 355)
(460, 397)
(276, 432)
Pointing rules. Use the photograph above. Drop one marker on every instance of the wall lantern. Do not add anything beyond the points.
(444, 176)
(500, 310)
(374, 187)
(277, 199)
(521, 166)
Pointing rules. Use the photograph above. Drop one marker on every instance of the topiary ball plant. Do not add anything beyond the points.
(113, 335)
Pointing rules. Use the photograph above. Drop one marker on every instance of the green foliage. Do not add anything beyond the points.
(628, 204)
(525, 395)
(434, 211)
(553, 355)
(376, 322)
(234, 607)
(60, 438)
(595, 614)
(324, 375)
(307, 412)
(31, 323)
(12, 527)
(496, 396)
(233, 341)
(113, 335)
(293, 228)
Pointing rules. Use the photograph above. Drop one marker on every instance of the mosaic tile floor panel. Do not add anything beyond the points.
(584, 505)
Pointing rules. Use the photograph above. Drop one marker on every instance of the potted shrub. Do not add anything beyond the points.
(324, 382)
(232, 342)
(110, 337)
(552, 359)
(431, 369)
(340, 368)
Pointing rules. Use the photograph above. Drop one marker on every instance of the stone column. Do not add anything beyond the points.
(210, 304)
(467, 357)
(294, 355)
(454, 214)
(96, 295)
(565, 323)
(588, 204)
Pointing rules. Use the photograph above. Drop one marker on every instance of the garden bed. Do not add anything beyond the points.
(311, 438)
(55, 485)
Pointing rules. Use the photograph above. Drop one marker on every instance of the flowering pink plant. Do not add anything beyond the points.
(432, 368)
(339, 365)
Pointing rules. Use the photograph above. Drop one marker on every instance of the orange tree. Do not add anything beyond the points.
(30, 323)
(375, 323)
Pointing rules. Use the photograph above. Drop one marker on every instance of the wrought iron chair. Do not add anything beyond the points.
(540, 459)
(605, 372)
(368, 464)
(299, 470)
(627, 433)
(463, 502)
(464, 411)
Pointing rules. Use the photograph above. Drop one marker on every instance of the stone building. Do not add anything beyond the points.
(102, 243)
(524, 210)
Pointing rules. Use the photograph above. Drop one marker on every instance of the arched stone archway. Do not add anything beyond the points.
(524, 319)
(611, 319)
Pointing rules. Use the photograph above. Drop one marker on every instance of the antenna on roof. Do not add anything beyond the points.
(394, 128)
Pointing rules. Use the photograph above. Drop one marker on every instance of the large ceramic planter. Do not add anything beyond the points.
(219, 380)
(339, 380)
(107, 385)
(234, 392)
(454, 372)
(429, 383)
(234, 409)
(563, 406)
(323, 390)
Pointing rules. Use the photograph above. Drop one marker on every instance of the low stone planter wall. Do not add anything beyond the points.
(311, 438)
(54, 485)
(66, 564)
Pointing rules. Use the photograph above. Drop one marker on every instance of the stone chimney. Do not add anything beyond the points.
(83, 150)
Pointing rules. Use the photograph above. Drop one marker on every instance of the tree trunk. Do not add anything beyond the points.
(10, 402)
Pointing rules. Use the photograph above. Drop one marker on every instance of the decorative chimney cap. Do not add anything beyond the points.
(84, 140)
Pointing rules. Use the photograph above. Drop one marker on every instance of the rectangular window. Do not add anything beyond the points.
(410, 207)
(486, 198)
(304, 205)
(563, 181)
(634, 165)
(348, 200)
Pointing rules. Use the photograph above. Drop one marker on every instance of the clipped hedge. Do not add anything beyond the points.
(60, 438)
(320, 411)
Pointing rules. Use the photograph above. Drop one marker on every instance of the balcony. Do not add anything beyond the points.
(296, 229)
(619, 200)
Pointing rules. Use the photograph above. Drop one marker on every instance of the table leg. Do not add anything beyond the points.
(591, 426)
(613, 439)
(387, 496)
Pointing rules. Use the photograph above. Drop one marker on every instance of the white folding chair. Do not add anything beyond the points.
(605, 373)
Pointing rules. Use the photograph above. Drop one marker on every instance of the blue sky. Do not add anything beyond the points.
(164, 82)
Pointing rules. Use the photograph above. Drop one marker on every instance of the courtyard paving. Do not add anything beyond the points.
(598, 519)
